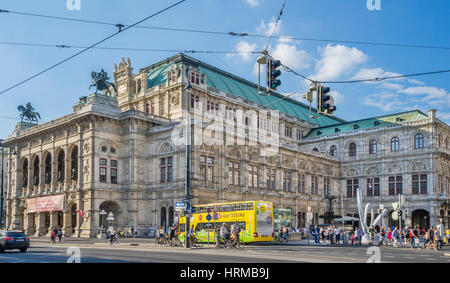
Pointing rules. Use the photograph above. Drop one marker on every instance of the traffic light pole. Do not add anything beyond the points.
(2, 199)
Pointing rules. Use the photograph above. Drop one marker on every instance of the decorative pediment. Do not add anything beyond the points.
(352, 172)
(394, 168)
(373, 171)
(235, 152)
(166, 148)
(418, 166)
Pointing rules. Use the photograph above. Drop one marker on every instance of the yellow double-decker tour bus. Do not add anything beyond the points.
(255, 219)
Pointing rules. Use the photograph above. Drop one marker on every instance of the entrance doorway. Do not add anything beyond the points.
(421, 217)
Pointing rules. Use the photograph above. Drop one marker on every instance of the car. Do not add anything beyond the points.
(10, 240)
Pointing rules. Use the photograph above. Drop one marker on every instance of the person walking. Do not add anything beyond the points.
(440, 231)
(371, 235)
(382, 236)
(52, 236)
(389, 236)
(60, 234)
(396, 237)
(235, 230)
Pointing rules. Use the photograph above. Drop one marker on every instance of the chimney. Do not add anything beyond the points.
(432, 114)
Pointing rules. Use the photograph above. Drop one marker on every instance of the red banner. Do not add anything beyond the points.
(45, 204)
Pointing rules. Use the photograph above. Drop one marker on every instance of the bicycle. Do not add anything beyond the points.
(196, 243)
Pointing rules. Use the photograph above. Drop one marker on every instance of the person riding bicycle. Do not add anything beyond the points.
(172, 231)
(235, 230)
(191, 235)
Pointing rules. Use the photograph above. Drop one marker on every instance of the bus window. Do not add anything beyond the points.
(250, 206)
(225, 208)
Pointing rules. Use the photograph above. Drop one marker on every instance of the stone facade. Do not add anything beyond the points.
(125, 154)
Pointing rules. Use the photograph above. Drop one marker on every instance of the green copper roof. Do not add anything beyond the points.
(240, 87)
(158, 76)
(381, 121)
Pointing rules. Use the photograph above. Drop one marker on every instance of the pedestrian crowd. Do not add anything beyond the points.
(56, 232)
(414, 237)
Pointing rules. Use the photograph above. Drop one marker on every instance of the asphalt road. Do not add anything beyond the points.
(250, 254)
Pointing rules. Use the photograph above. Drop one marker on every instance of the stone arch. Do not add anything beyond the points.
(302, 165)
(373, 171)
(73, 161)
(166, 147)
(418, 166)
(235, 152)
(420, 217)
(352, 172)
(35, 169)
(287, 162)
(109, 207)
(394, 168)
(47, 159)
(60, 165)
(24, 178)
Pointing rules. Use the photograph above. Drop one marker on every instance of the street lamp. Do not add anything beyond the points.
(1, 189)
(188, 90)
(102, 217)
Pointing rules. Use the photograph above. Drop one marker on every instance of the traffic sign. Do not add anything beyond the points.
(189, 209)
(208, 217)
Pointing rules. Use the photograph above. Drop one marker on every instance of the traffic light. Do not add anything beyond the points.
(272, 74)
(325, 102)
(310, 93)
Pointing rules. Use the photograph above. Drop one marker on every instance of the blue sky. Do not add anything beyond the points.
(407, 22)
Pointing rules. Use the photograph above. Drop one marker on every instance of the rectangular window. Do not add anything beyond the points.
(253, 176)
(423, 184)
(287, 181)
(373, 187)
(113, 171)
(314, 185)
(233, 173)
(352, 186)
(102, 174)
(301, 183)
(113, 176)
(166, 169)
(395, 185)
(206, 168)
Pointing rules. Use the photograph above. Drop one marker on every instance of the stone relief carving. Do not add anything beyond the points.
(372, 171)
(394, 168)
(166, 148)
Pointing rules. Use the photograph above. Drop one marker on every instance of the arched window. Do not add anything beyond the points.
(74, 164)
(333, 150)
(48, 169)
(315, 149)
(395, 144)
(60, 173)
(418, 141)
(373, 147)
(352, 150)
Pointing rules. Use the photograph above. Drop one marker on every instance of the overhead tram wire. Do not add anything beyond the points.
(92, 46)
(235, 34)
(276, 24)
(65, 46)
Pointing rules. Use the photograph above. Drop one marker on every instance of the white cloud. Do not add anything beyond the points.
(252, 3)
(337, 96)
(290, 56)
(267, 29)
(244, 46)
(429, 92)
(338, 60)
(386, 101)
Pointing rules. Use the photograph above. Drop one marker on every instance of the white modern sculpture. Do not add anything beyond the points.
(363, 220)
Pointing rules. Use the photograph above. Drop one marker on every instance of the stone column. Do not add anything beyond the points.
(67, 229)
(39, 224)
